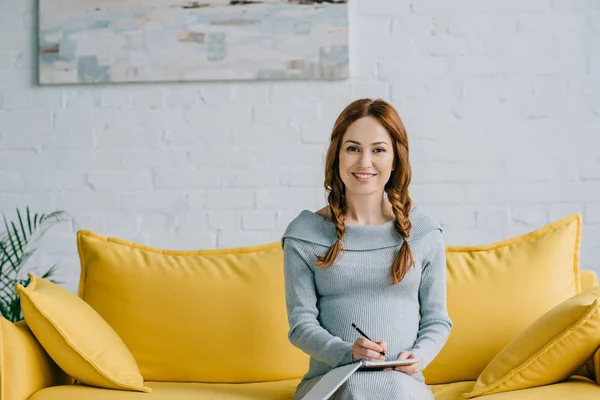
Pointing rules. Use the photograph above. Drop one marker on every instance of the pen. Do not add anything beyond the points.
(363, 334)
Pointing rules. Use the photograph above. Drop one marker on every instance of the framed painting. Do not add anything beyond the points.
(108, 41)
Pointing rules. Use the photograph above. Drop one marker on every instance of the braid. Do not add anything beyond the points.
(396, 187)
(401, 205)
(337, 209)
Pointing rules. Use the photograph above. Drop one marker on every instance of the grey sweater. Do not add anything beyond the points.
(322, 303)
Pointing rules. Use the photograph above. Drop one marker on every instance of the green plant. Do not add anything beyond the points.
(17, 245)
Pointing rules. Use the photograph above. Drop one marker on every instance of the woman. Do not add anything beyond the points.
(367, 258)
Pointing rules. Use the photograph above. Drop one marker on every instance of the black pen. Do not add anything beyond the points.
(362, 333)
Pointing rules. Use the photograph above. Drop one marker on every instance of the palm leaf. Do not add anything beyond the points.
(6, 295)
(14, 308)
(17, 236)
(11, 239)
(4, 310)
(21, 223)
(50, 273)
(28, 218)
(5, 255)
(17, 245)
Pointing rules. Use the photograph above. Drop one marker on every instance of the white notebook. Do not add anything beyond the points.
(332, 380)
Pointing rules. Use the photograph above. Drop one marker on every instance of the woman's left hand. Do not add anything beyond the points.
(407, 369)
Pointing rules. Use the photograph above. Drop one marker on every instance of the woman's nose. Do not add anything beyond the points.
(365, 159)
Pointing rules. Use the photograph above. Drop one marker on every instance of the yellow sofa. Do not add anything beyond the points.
(212, 324)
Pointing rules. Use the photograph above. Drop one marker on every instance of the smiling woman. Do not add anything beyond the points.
(368, 257)
(367, 171)
(368, 160)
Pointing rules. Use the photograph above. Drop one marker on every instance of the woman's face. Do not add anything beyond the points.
(366, 157)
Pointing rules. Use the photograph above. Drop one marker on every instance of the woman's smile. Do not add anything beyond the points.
(363, 177)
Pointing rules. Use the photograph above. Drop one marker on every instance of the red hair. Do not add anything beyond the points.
(396, 188)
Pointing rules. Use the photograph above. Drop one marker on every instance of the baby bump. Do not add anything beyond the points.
(390, 385)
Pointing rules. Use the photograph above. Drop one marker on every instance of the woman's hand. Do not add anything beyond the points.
(370, 351)
(410, 369)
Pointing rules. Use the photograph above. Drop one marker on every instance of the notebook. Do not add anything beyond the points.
(332, 380)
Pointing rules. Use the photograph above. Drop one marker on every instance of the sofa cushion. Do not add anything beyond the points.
(496, 291)
(573, 389)
(589, 279)
(283, 390)
(596, 365)
(451, 391)
(550, 350)
(193, 316)
(25, 367)
(77, 338)
(276, 390)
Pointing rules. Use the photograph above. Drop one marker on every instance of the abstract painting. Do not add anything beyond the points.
(108, 41)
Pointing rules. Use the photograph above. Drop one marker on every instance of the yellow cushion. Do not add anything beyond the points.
(496, 291)
(550, 350)
(77, 338)
(596, 359)
(573, 389)
(276, 390)
(283, 390)
(576, 389)
(451, 391)
(193, 316)
(592, 368)
(25, 367)
(588, 279)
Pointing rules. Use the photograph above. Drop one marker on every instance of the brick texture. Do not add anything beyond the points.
(501, 100)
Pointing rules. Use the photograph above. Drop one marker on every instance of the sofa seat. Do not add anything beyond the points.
(276, 390)
(451, 391)
(575, 388)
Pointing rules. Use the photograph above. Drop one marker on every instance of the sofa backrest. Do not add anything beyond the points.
(219, 315)
(193, 316)
(588, 279)
(495, 291)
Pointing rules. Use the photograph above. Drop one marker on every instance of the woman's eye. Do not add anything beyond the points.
(380, 150)
(352, 148)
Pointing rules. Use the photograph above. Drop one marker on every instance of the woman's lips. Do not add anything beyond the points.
(362, 177)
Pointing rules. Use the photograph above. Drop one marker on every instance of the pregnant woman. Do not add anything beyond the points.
(370, 258)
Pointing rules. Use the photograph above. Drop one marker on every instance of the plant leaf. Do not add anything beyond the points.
(3, 256)
(17, 236)
(4, 310)
(5, 296)
(17, 245)
(13, 246)
(21, 224)
(15, 309)
(7, 255)
(28, 220)
(50, 272)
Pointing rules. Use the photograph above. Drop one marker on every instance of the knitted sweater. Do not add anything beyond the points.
(322, 303)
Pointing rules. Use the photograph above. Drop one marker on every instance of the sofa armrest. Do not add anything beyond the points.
(588, 279)
(25, 367)
(591, 369)
(597, 366)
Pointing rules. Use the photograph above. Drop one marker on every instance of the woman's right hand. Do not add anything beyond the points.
(371, 351)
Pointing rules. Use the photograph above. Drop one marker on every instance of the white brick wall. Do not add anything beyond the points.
(501, 100)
